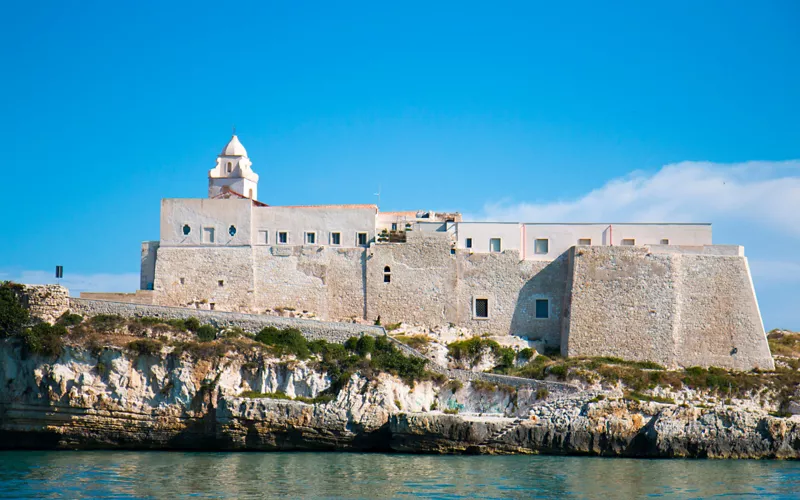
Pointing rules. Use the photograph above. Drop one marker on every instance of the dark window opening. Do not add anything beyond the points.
(468, 243)
(542, 308)
(362, 238)
(394, 226)
(186, 229)
(387, 275)
(221, 282)
(481, 308)
(211, 306)
(183, 281)
(232, 231)
(283, 237)
(336, 238)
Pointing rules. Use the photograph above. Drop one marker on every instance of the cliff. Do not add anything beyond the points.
(94, 396)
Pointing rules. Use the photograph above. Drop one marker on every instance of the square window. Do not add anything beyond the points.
(311, 238)
(481, 308)
(336, 238)
(542, 308)
(208, 235)
(283, 237)
(665, 241)
(494, 245)
(541, 246)
(263, 237)
(585, 241)
(629, 242)
(468, 243)
(361, 239)
(221, 282)
(183, 281)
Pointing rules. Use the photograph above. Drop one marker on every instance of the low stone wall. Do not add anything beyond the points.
(313, 330)
(554, 389)
(138, 297)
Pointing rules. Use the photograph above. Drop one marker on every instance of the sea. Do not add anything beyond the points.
(157, 474)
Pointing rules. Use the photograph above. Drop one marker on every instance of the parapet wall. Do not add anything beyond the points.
(313, 330)
(687, 308)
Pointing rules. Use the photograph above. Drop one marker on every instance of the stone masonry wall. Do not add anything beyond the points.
(512, 287)
(44, 302)
(191, 276)
(330, 331)
(423, 282)
(672, 309)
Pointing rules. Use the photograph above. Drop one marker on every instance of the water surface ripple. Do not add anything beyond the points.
(107, 474)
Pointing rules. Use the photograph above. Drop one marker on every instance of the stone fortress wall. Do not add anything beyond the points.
(676, 307)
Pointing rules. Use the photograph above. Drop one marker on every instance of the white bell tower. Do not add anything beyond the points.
(233, 173)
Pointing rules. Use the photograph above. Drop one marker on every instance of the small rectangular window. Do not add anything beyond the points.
(208, 235)
(183, 281)
(311, 238)
(394, 226)
(585, 241)
(541, 246)
(494, 245)
(665, 241)
(211, 306)
(361, 239)
(283, 237)
(263, 237)
(468, 243)
(336, 238)
(629, 242)
(481, 308)
(221, 282)
(542, 308)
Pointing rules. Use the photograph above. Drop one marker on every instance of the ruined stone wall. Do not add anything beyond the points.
(191, 276)
(423, 285)
(330, 331)
(512, 287)
(675, 309)
(44, 302)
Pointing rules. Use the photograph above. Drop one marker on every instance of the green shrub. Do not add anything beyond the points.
(206, 333)
(526, 354)
(44, 339)
(145, 347)
(69, 319)
(392, 326)
(192, 324)
(286, 341)
(365, 345)
(13, 316)
(450, 411)
(542, 393)
(454, 385)
(106, 323)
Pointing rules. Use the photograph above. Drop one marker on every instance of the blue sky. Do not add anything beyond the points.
(534, 111)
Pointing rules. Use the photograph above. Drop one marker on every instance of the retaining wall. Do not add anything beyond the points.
(313, 330)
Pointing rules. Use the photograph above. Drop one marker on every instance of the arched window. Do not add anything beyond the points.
(232, 231)
(230, 167)
(186, 229)
(387, 275)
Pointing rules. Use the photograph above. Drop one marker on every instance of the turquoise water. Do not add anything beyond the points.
(351, 475)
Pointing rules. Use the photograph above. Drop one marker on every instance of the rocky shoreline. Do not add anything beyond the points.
(113, 399)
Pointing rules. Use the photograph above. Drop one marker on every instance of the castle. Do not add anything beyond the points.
(658, 292)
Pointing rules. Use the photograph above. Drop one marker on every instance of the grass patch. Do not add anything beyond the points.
(783, 343)
(638, 396)
(145, 347)
(392, 327)
(321, 399)
(414, 341)
(471, 351)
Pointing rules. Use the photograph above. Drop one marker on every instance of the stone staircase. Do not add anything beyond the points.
(498, 434)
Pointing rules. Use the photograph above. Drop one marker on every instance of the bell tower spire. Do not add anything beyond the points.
(233, 172)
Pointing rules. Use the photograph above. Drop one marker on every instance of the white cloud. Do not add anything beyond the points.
(759, 191)
(77, 283)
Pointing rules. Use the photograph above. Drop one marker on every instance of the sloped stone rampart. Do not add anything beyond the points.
(675, 309)
(313, 330)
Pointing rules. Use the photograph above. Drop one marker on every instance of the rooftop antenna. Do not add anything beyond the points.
(234, 130)
(378, 194)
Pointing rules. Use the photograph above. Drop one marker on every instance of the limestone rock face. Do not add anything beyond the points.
(111, 398)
